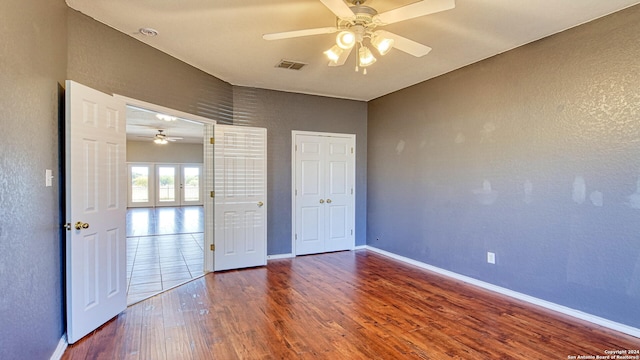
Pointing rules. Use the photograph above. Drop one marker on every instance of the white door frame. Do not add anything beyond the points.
(207, 167)
(294, 133)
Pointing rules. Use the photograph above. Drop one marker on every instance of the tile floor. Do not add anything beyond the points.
(156, 263)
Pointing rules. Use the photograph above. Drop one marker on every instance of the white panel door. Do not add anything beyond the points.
(324, 168)
(310, 209)
(240, 167)
(338, 179)
(96, 200)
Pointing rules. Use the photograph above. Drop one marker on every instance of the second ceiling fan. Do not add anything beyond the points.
(358, 22)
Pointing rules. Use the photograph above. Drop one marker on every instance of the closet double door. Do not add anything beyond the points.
(323, 192)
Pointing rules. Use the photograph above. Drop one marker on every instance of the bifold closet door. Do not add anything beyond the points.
(323, 192)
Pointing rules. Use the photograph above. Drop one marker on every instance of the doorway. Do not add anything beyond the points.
(165, 221)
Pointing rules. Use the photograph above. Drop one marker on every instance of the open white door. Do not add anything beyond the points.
(96, 200)
(240, 197)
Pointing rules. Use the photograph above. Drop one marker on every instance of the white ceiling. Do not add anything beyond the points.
(224, 38)
(143, 125)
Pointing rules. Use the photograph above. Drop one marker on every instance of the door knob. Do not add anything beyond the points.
(260, 203)
(328, 201)
(321, 201)
(80, 225)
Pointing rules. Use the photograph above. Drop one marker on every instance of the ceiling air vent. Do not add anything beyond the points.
(291, 65)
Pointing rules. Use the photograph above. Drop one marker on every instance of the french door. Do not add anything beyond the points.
(323, 192)
(165, 185)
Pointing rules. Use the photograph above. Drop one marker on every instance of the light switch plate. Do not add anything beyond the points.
(48, 177)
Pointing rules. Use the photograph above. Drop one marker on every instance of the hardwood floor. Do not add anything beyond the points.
(346, 305)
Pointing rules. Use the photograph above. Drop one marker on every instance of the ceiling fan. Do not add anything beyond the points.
(357, 22)
(161, 138)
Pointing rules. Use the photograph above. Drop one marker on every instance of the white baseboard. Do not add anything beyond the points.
(360, 247)
(517, 295)
(62, 346)
(280, 256)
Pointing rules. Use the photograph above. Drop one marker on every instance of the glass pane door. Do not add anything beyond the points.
(191, 185)
(167, 185)
(140, 185)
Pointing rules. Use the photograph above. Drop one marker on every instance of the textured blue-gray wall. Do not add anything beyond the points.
(534, 155)
(32, 64)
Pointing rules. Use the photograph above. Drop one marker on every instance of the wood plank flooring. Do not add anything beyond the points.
(345, 305)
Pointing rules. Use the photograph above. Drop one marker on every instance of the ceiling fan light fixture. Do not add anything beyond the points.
(365, 57)
(334, 53)
(381, 43)
(345, 40)
(166, 117)
(160, 141)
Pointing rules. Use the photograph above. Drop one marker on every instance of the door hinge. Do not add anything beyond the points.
(296, 192)
(352, 150)
(351, 191)
(213, 194)
(351, 231)
(296, 236)
(296, 147)
(212, 141)
(213, 247)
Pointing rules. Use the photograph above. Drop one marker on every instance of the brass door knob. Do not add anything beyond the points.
(321, 201)
(260, 203)
(328, 201)
(80, 225)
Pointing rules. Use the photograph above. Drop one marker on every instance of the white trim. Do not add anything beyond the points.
(280, 256)
(629, 330)
(360, 247)
(62, 346)
(209, 202)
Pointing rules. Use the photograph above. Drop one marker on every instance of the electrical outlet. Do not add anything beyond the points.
(491, 257)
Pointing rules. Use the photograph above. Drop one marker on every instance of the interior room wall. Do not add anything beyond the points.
(115, 63)
(32, 65)
(532, 155)
(174, 152)
(282, 112)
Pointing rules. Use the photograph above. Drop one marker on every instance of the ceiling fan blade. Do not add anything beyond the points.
(421, 8)
(342, 59)
(339, 8)
(403, 44)
(299, 33)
